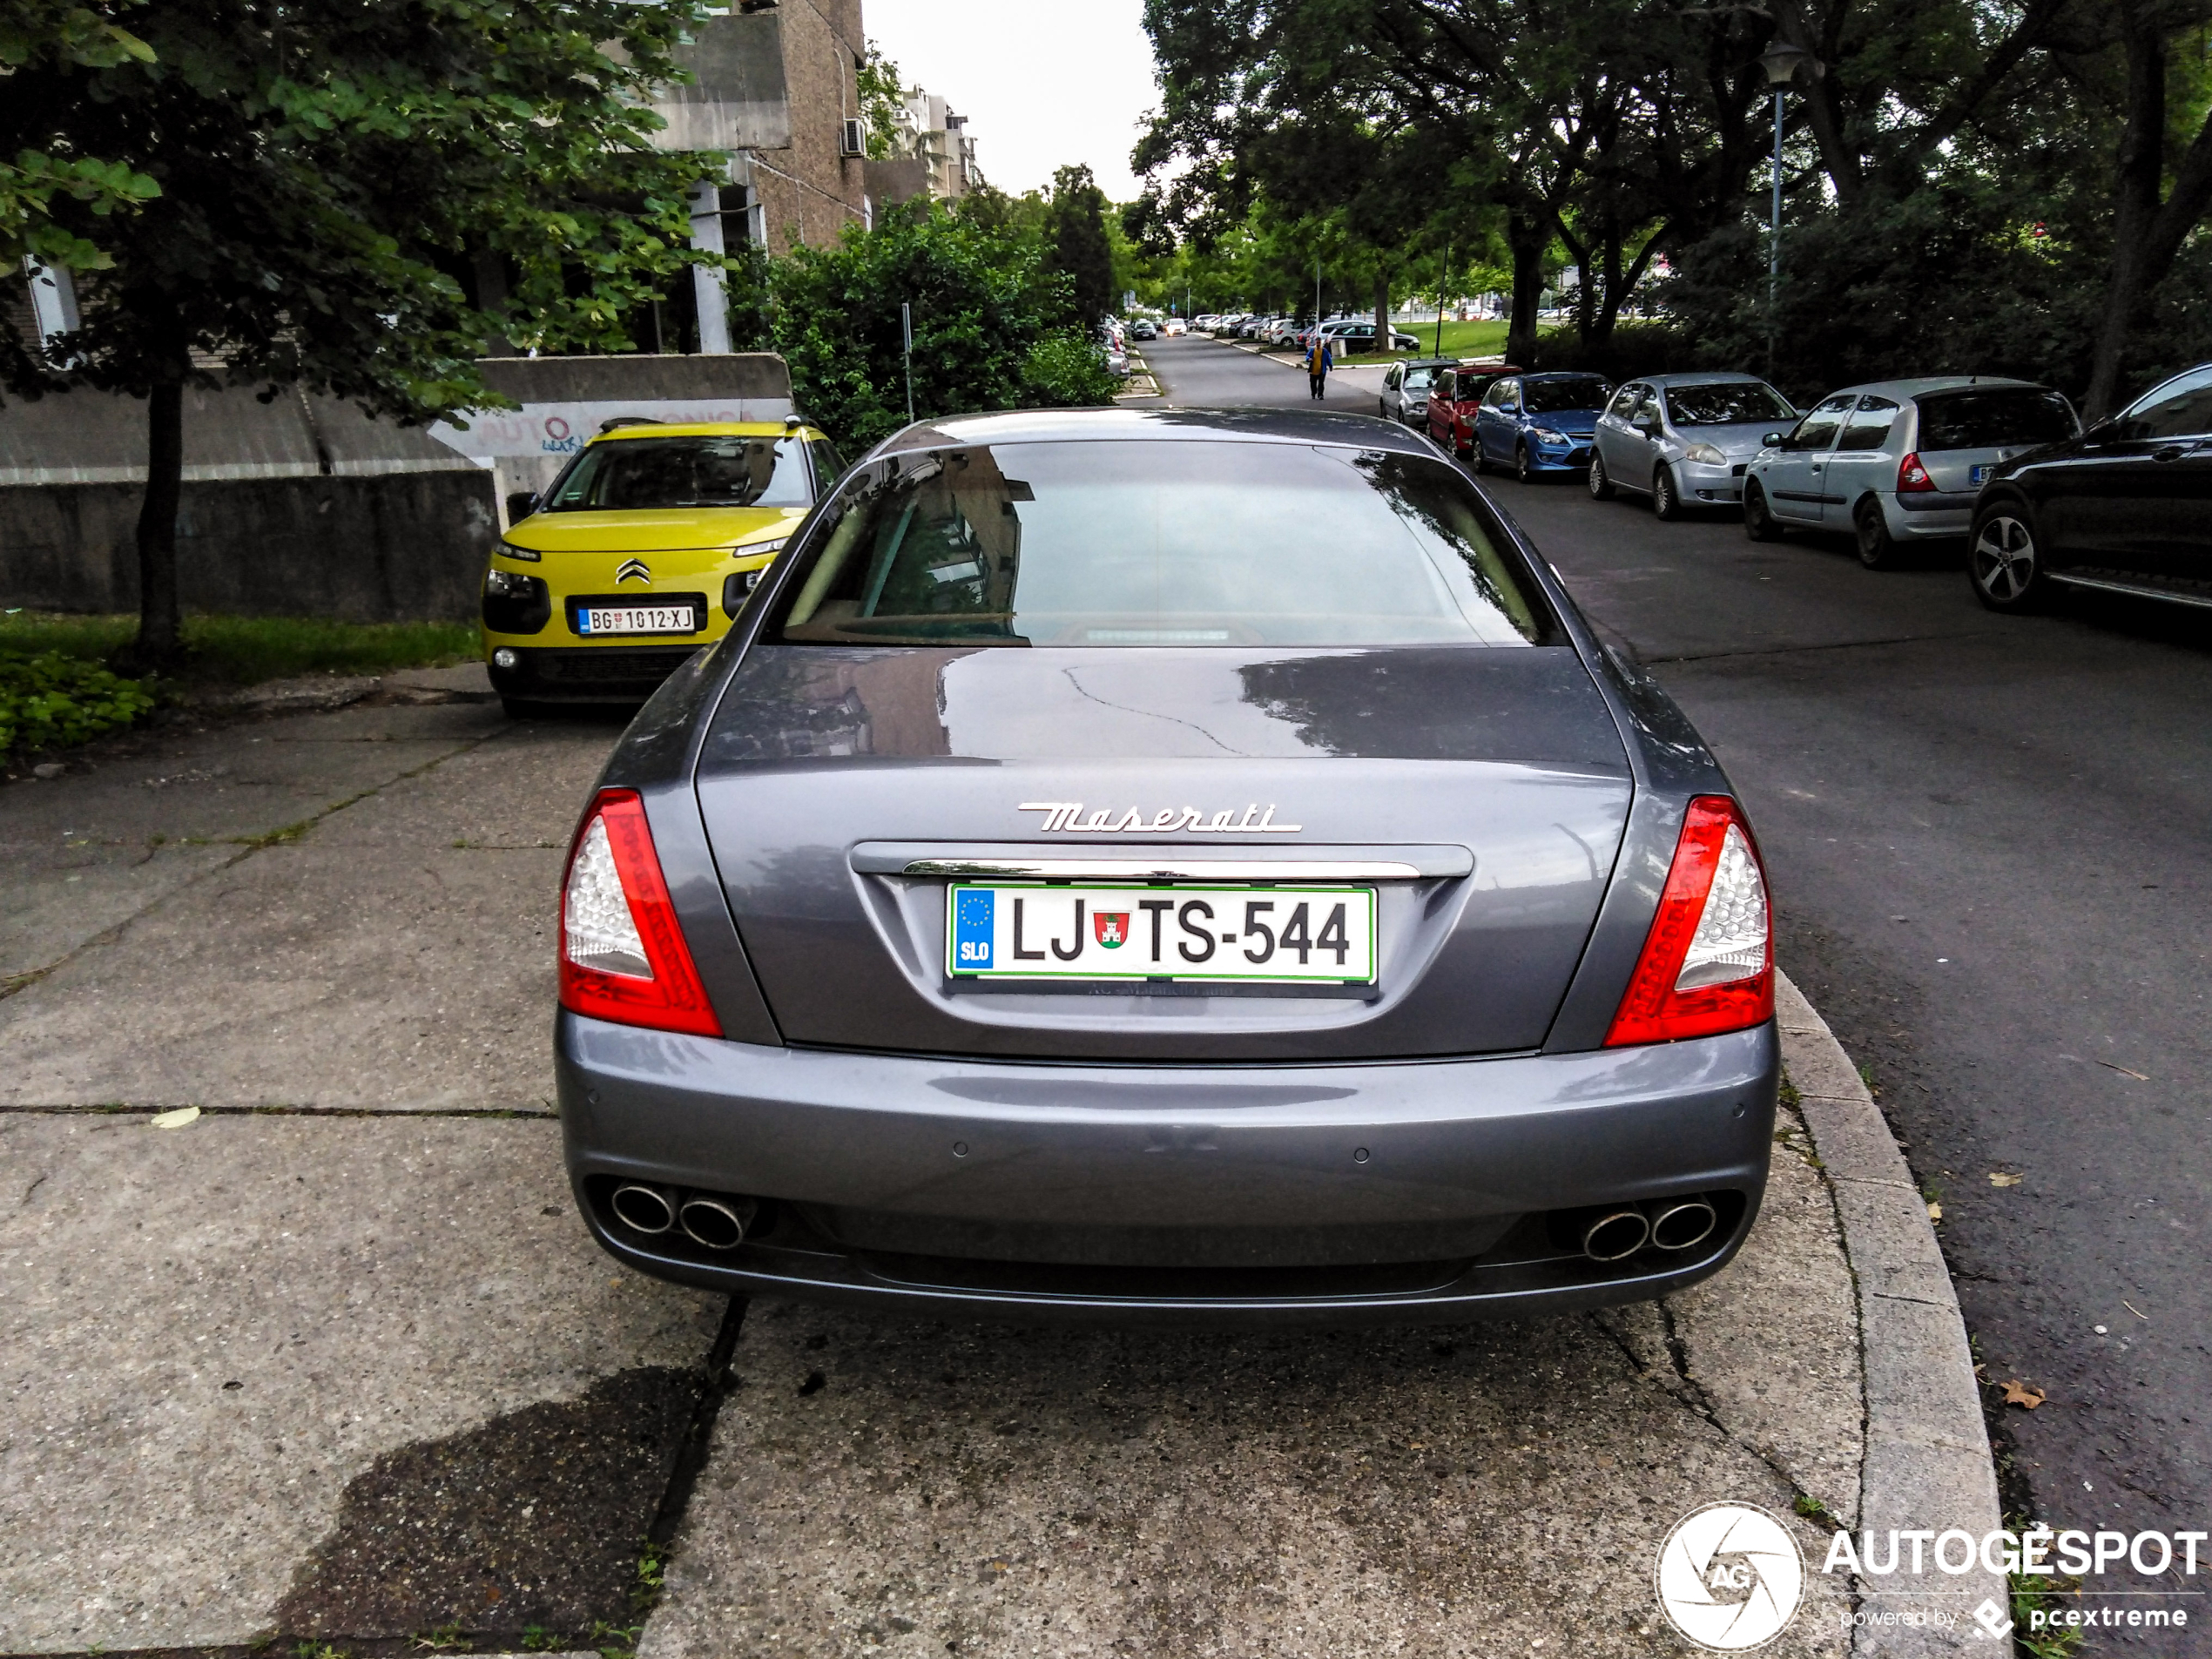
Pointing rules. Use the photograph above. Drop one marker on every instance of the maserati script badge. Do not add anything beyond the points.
(1066, 817)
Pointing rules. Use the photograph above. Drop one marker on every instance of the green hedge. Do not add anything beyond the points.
(52, 701)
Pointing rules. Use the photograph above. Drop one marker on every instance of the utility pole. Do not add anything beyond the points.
(906, 329)
(1442, 283)
(1781, 61)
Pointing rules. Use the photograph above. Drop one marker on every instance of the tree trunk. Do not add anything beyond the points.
(1527, 239)
(2146, 234)
(2141, 162)
(160, 643)
(1382, 308)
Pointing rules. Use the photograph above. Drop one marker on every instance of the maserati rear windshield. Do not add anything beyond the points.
(633, 473)
(1139, 543)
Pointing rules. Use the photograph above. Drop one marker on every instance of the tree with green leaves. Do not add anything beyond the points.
(1076, 245)
(992, 322)
(882, 92)
(356, 201)
(41, 36)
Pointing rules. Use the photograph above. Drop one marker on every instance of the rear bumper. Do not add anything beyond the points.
(588, 673)
(1404, 1191)
(1927, 517)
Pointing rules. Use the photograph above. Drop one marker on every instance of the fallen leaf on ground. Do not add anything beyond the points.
(2139, 1076)
(2019, 1394)
(1999, 1178)
(1935, 1210)
(177, 1119)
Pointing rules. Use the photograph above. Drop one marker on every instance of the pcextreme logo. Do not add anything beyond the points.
(1730, 1577)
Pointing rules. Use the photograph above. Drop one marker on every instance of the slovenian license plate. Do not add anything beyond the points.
(636, 619)
(1301, 935)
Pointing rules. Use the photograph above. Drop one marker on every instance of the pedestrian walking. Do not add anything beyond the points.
(1319, 359)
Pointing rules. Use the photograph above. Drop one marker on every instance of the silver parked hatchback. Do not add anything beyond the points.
(1683, 439)
(1899, 462)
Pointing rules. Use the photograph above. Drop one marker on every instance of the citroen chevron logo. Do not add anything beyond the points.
(634, 570)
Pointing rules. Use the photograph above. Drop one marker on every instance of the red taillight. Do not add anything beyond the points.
(1708, 962)
(1912, 476)
(622, 954)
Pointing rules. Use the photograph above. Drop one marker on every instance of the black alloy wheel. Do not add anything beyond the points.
(2002, 559)
(1878, 549)
(1666, 500)
(1758, 523)
(1601, 485)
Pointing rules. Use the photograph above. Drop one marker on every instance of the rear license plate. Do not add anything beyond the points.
(1978, 474)
(636, 619)
(1301, 935)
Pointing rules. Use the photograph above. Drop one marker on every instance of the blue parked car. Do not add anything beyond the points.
(1539, 423)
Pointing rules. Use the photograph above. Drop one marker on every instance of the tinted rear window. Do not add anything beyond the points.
(1993, 419)
(1147, 543)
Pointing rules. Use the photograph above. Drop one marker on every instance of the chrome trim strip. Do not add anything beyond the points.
(2203, 602)
(1171, 869)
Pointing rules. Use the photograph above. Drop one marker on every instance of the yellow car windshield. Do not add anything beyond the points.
(685, 472)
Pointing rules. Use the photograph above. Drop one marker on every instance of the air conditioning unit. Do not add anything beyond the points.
(853, 139)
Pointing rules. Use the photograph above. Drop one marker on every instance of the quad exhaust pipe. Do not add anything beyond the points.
(712, 1220)
(1671, 1224)
(643, 1209)
(1681, 1223)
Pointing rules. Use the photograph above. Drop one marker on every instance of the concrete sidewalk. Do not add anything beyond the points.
(336, 1361)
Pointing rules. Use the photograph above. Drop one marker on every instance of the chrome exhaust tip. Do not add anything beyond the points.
(643, 1209)
(715, 1224)
(1615, 1236)
(1682, 1224)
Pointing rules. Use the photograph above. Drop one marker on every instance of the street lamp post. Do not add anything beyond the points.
(1781, 61)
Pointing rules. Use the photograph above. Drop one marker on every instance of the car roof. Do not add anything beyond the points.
(1431, 362)
(703, 429)
(1698, 377)
(1561, 374)
(1231, 425)
(1938, 383)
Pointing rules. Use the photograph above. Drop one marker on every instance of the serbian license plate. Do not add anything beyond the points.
(1306, 935)
(636, 619)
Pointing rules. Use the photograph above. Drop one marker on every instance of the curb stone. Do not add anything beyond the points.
(1927, 1463)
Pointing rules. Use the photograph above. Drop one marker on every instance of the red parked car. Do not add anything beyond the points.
(1453, 398)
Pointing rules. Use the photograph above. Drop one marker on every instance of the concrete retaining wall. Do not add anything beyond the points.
(403, 547)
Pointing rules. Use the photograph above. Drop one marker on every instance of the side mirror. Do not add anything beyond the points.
(1649, 429)
(521, 504)
(1774, 441)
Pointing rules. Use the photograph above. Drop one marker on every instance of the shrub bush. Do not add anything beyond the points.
(52, 701)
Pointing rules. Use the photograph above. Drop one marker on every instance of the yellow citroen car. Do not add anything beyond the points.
(642, 552)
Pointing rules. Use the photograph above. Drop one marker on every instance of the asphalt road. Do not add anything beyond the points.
(1990, 840)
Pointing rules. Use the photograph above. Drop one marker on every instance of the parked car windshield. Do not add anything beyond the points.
(2181, 408)
(1141, 542)
(1553, 397)
(1728, 403)
(1997, 418)
(684, 472)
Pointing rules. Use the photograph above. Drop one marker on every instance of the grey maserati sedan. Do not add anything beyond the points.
(1166, 864)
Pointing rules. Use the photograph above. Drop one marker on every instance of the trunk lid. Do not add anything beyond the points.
(1493, 782)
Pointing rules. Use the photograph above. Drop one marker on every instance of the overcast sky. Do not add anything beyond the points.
(1045, 82)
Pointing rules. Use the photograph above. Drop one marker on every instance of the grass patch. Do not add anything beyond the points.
(240, 650)
(1478, 339)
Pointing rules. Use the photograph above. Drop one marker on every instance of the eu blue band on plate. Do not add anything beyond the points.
(972, 928)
